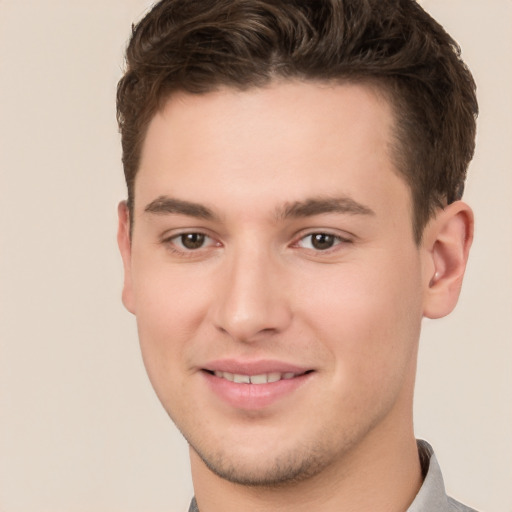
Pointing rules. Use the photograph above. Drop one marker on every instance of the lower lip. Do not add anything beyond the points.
(254, 396)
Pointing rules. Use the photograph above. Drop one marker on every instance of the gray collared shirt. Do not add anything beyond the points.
(432, 495)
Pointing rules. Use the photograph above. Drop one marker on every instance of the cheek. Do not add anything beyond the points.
(368, 316)
(170, 308)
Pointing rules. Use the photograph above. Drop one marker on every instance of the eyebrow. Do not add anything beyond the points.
(321, 205)
(314, 206)
(164, 205)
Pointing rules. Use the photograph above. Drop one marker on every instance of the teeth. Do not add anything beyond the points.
(259, 379)
(262, 378)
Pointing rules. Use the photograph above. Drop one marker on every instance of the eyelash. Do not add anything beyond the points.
(337, 241)
(170, 242)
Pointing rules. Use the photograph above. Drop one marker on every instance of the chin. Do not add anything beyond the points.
(275, 472)
(266, 466)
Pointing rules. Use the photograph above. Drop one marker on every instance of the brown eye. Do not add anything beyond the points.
(192, 240)
(322, 241)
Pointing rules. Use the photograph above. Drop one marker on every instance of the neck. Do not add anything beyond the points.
(374, 476)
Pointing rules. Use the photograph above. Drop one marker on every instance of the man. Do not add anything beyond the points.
(294, 175)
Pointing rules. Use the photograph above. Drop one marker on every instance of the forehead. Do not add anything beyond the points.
(280, 142)
(282, 112)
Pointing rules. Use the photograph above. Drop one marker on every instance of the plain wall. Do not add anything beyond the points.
(80, 427)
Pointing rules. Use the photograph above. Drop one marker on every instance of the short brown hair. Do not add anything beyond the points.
(198, 46)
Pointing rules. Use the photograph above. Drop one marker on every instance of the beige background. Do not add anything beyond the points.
(80, 428)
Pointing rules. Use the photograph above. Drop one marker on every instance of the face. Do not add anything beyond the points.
(275, 278)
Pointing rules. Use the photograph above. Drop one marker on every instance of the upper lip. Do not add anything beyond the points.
(253, 367)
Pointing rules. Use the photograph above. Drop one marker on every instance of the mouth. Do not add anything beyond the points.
(257, 385)
(262, 378)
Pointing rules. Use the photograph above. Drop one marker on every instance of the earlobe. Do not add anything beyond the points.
(447, 240)
(124, 243)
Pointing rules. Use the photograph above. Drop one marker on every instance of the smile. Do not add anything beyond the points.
(263, 378)
(268, 387)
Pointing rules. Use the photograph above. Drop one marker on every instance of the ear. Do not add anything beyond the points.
(446, 243)
(125, 247)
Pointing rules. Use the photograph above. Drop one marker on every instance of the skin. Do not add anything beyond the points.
(263, 169)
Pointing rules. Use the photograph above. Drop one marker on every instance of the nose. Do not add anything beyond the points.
(252, 300)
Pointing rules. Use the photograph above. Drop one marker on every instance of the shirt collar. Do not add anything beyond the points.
(432, 494)
(193, 506)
